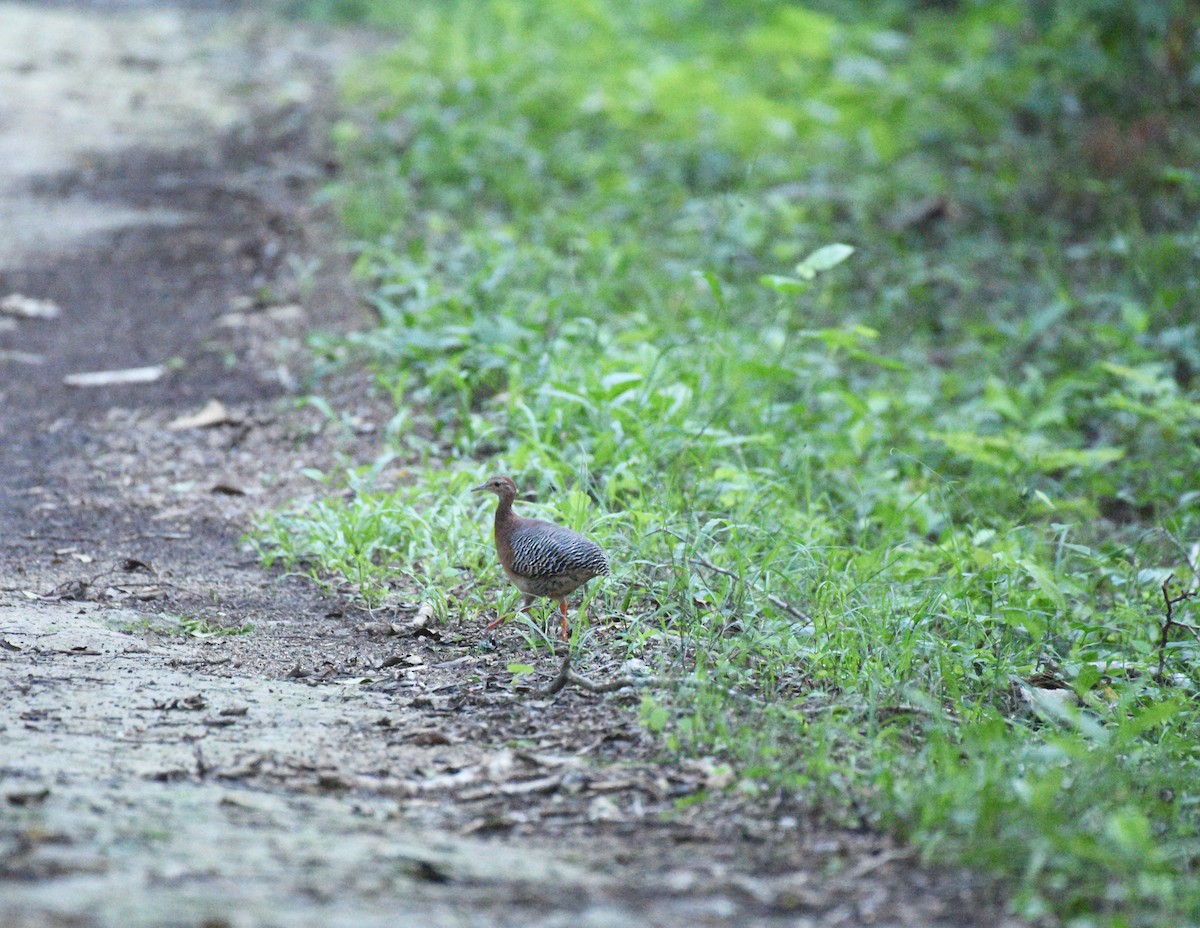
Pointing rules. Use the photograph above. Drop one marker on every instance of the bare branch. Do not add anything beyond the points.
(1169, 621)
(560, 681)
(567, 675)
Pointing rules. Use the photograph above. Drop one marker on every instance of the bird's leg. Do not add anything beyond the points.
(562, 606)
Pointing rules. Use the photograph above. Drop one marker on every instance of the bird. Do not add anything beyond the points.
(540, 558)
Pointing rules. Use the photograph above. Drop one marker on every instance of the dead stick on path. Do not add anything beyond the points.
(567, 675)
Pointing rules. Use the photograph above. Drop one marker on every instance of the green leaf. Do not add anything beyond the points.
(520, 669)
(714, 285)
(1046, 583)
(823, 259)
(1087, 677)
(1150, 717)
(782, 284)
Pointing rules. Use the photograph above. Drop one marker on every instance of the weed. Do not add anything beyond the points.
(900, 509)
(202, 628)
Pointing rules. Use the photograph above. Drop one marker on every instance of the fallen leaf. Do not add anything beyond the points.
(603, 809)
(22, 357)
(1048, 680)
(525, 787)
(611, 786)
(425, 870)
(679, 882)
(486, 823)
(27, 307)
(1051, 704)
(428, 738)
(716, 776)
(289, 312)
(550, 760)
(442, 781)
(424, 616)
(213, 413)
(789, 893)
(382, 628)
(32, 797)
(129, 375)
(500, 764)
(228, 489)
(188, 703)
(333, 782)
(72, 589)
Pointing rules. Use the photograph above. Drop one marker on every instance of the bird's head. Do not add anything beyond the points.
(502, 486)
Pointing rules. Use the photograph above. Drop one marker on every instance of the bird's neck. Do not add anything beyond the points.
(504, 511)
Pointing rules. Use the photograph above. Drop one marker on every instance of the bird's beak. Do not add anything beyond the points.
(480, 488)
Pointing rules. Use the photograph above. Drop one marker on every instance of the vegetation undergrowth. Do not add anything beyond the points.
(874, 371)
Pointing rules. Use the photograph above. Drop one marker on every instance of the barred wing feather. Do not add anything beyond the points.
(541, 549)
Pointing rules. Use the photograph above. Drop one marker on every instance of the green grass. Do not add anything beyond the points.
(900, 516)
(202, 628)
(195, 627)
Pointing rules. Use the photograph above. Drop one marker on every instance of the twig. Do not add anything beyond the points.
(1169, 622)
(202, 662)
(560, 681)
(567, 675)
(202, 767)
(771, 598)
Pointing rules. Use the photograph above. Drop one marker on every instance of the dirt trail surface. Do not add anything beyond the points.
(321, 765)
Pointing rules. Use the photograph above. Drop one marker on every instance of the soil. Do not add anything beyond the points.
(190, 740)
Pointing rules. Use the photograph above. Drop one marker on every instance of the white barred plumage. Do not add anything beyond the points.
(541, 558)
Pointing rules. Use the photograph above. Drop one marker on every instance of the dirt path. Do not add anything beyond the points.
(324, 766)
